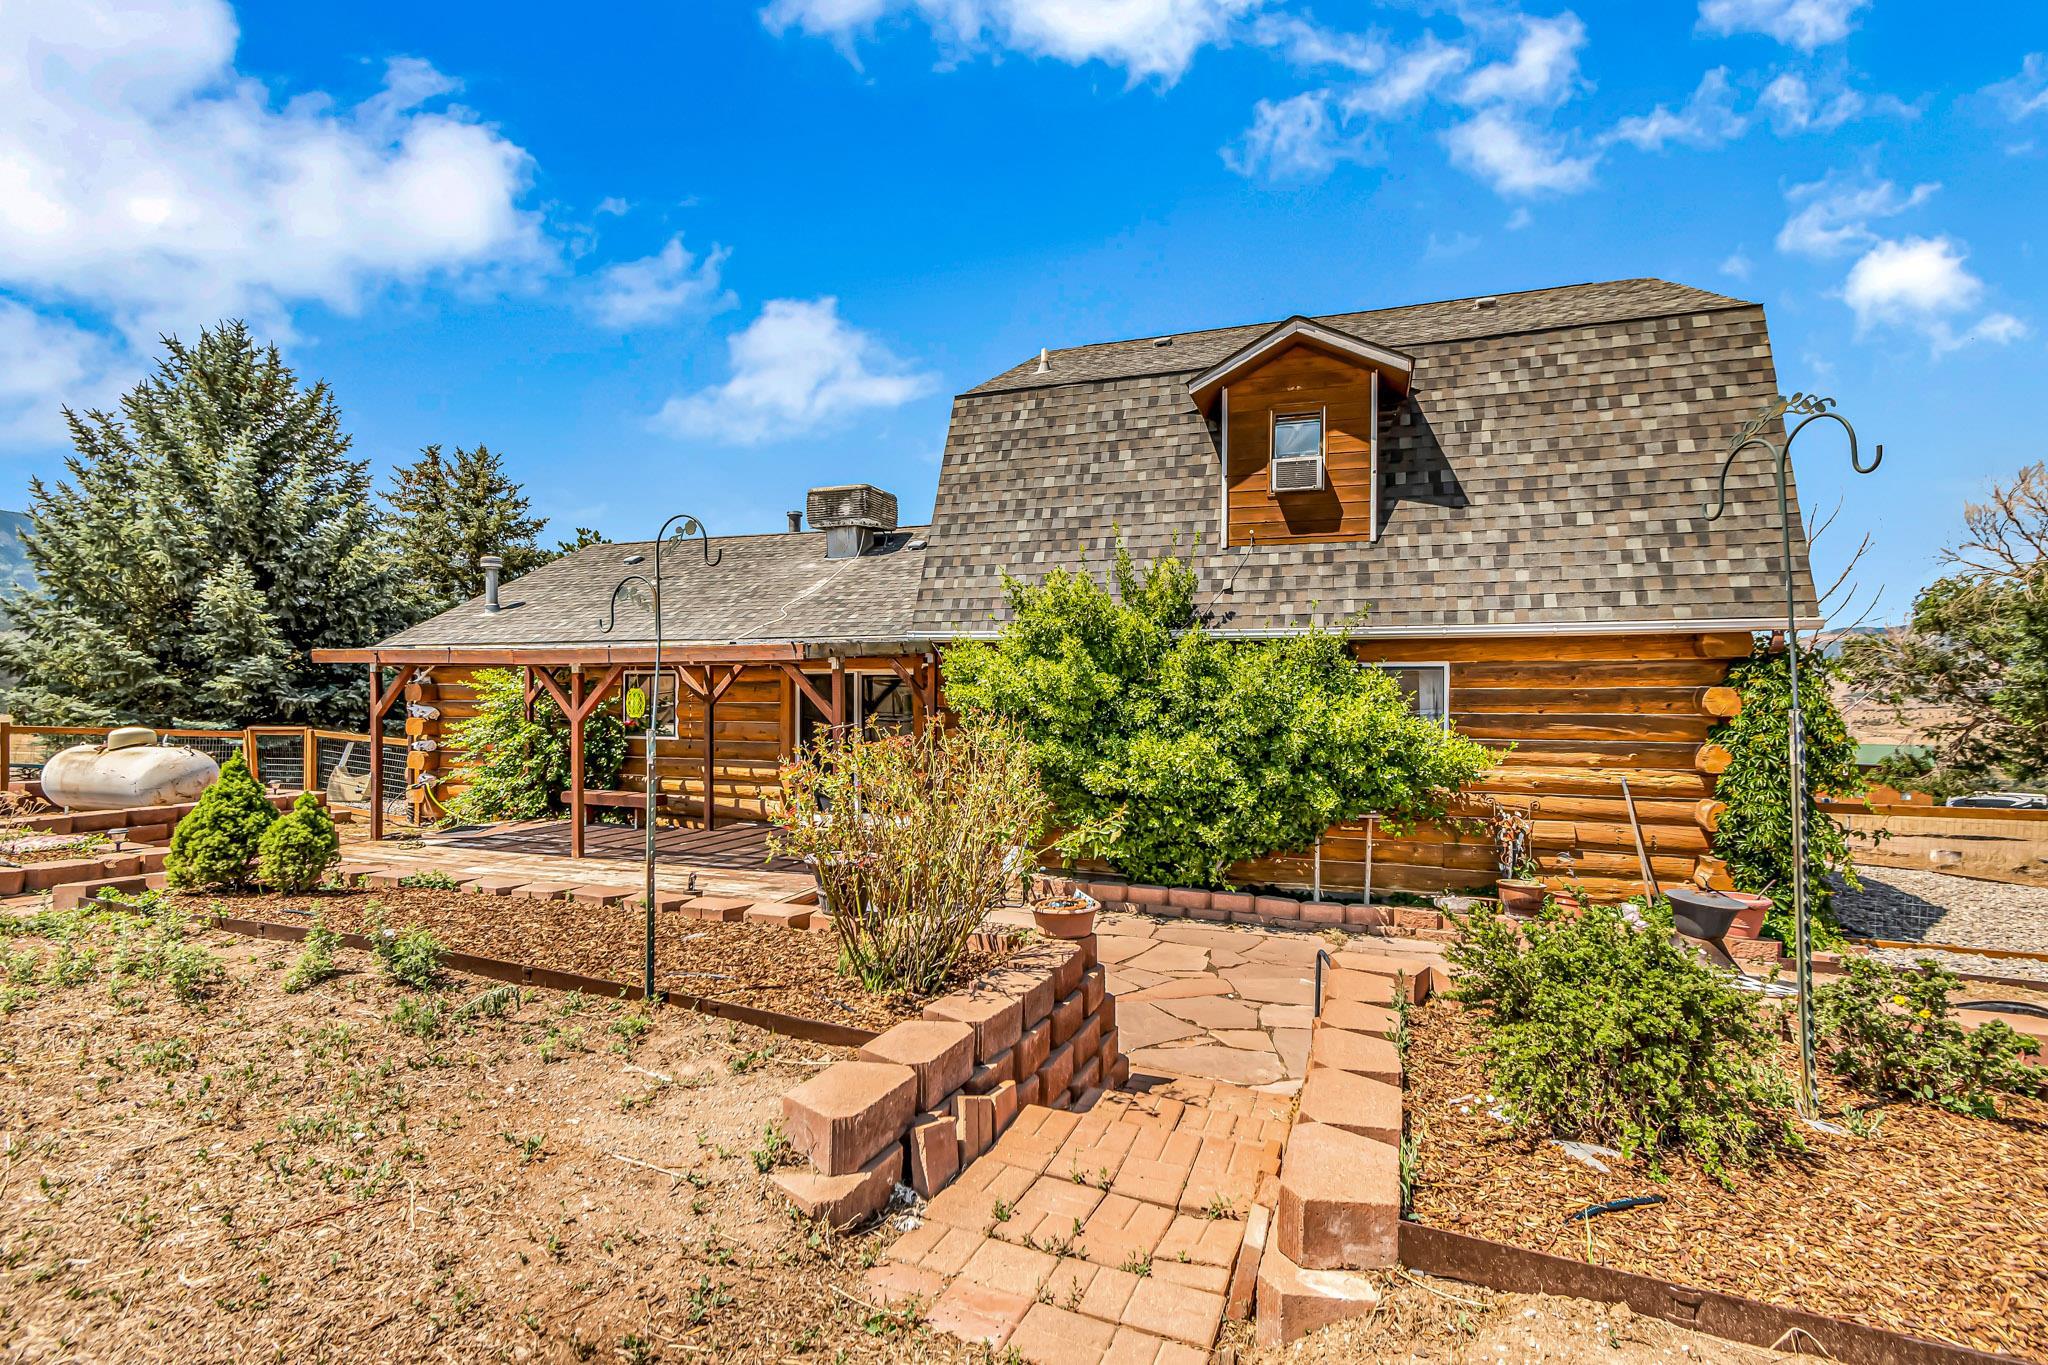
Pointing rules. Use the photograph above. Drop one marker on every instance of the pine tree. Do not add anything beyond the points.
(585, 537)
(449, 514)
(207, 536)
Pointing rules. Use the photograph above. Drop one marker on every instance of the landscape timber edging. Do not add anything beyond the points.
(1519, 1270)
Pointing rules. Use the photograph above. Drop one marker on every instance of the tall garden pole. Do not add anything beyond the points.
(1808, 408)
(690, 527)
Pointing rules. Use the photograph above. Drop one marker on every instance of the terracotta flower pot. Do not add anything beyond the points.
(1519, 897)
(1749, 921)
(1071, 916)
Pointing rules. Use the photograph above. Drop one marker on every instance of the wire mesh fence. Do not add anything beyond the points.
(29, 747)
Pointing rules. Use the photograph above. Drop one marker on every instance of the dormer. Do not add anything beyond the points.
(1298, 411)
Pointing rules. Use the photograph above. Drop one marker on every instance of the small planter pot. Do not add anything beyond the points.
(1522, 898)
(1069, 916)
(1749, 921)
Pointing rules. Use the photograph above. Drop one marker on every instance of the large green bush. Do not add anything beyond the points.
(1755, 833)
(1173, 754)
(1598, 1030)
(1892, 1034)
(517, 768)
(914, 840)
(214, 845)
(295, 852)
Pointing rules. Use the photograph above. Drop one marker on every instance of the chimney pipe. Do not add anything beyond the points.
(491, 564)
(796, 522)
(1044, 362)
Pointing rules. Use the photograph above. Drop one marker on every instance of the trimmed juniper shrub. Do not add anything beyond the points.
(214, 845)
(1601, 1030)
(295, 852)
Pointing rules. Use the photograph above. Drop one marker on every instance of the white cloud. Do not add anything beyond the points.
(1835, 213)
(613, 205)
(660, 288)
(795, 368)
(1922, 283)
(1521, 218)
(142, 175)
(1737, 266)
(45, 364)
(1149, 39)
(1308, 44)
(1804, 24)
(1409, 77)
(2025, 94)
(1792, 106)
(1707, 120)
(1293, 140)
(1542, 70)
(1516, 158)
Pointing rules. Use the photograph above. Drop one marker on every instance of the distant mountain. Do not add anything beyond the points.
(15, 570)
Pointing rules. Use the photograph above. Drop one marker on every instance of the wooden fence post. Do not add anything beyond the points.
(6, 750)
(249, 754)
(310, 757)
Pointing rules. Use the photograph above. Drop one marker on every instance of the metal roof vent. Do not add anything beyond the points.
(492, 566)
(1486, 301)
(851, 516)
(1044, 361)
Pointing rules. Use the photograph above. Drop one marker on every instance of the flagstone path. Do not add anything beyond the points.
(1221, 1002)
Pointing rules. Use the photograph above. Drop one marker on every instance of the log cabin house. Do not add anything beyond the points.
(1500, 499)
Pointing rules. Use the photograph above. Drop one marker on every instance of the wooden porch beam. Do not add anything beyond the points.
(818, 699)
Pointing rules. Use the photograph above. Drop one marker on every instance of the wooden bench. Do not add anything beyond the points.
(635, 803)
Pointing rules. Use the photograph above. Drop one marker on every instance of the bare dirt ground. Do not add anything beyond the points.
(1447, 1323)
(337, 1174)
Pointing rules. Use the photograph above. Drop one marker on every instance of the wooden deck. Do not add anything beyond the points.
(732, 860)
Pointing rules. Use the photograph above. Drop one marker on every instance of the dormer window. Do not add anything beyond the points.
(1297, 463)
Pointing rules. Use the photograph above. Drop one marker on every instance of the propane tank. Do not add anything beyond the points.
(130, 768)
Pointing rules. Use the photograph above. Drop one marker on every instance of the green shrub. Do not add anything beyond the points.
(1891, 1033)
(295, 852)
(1755, 832)
(518, 768)
(315, 962)
(214, 845)
(1596, 1030)
(423, 1016)
(410, 958)
(433, 879)
(914, 840)
(1174, 754)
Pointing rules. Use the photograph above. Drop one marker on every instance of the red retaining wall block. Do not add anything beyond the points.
(56, 872)
(1067, 1015)
(12, 880)
(933, 1146)
(1356, 1104)
(940, 1051)
(847, 1113)
(1030, 984)
(72, 894)
(494, 886)
(727, 908)
(781, 916)
(997, 1019)
(1365, 987)
(1340, 1200)
(1354, 1052)
(1376, 1021)
(582, 895)
(1294, 1302)
(843, 1200)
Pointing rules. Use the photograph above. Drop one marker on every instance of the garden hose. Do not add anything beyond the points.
(2005, 1007)
(1592, 1211)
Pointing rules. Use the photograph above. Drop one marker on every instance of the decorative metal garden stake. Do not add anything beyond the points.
(690, 527)
(1808, 408)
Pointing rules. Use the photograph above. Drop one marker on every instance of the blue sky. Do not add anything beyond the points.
(700, 256)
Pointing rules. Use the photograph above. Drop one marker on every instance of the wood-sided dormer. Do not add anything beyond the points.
(1298, 412)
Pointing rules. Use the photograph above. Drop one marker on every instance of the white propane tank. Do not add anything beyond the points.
(129, 769)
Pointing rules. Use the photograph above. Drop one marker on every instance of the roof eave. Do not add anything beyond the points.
(1396, 368)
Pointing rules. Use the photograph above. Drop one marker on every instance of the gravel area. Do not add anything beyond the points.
(1911, 906)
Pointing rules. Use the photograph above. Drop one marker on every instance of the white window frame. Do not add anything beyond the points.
(1441, 666)
(1273, 421)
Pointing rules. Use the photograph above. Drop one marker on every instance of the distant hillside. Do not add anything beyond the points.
(15, 571)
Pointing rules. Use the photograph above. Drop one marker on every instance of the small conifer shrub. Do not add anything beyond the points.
(214, 845)
(295, 852)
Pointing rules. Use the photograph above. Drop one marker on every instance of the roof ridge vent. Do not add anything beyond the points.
(1487, 301)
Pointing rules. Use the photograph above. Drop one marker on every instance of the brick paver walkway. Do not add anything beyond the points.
(1229, 1003)
(1118, 1234)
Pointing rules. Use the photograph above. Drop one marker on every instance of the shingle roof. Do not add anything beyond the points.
(1550, 468)
(765, 588)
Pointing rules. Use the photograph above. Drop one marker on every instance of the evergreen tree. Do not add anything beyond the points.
(207, 536)
(585, 537)
(449, 514)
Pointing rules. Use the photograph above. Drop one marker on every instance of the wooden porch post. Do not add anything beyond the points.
(575, 760)
(710, 746)
(838, 695)
(380, 706)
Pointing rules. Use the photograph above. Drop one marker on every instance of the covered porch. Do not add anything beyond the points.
(722, 719)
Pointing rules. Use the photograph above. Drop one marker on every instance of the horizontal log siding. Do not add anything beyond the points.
(1582, 713)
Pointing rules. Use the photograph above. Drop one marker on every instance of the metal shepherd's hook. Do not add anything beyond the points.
(691, 526)
(1808, 409)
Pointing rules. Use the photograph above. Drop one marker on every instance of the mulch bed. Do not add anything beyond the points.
(764, 966)
(1936, 1225)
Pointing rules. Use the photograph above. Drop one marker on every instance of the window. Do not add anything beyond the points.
(1427, 687)
(1297, 452)
(636, 699)
(879, 703)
